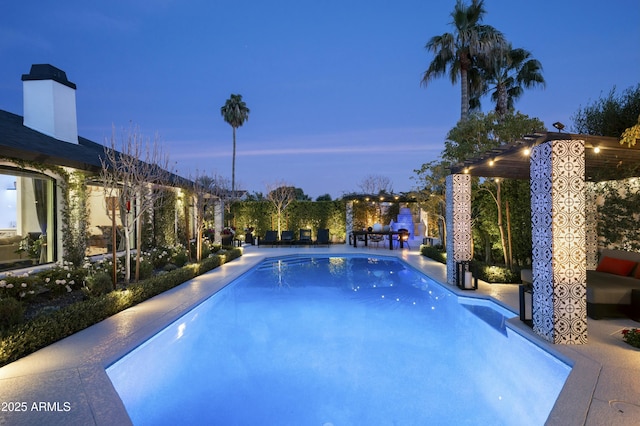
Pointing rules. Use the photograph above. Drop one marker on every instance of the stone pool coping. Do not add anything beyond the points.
(66, 383)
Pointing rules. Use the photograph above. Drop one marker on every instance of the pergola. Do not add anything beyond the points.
(560, 167)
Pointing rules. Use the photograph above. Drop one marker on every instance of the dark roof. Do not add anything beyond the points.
(613, 161)
(20, 142)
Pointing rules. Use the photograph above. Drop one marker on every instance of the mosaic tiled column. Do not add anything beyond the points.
(559, 240)
(458, 215)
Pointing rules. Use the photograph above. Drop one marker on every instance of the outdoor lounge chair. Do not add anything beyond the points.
(323, 237)
(305, 237)
(286, 237)
(270, 237)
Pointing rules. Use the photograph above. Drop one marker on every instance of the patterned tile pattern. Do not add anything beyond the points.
(559, 240)
(458, 215)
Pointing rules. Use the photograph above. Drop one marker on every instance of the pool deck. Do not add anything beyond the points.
(65, 383)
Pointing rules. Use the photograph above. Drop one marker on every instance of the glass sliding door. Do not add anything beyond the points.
(27, 219)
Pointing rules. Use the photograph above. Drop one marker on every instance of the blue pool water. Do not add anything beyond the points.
(339, 341)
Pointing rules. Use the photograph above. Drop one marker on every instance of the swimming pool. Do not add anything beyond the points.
(339, 340)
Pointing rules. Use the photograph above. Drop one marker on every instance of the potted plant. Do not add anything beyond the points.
(227, 235)
(32, 246)
(248, 235)
(632, 336)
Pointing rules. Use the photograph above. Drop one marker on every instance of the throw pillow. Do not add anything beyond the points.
(616, 266)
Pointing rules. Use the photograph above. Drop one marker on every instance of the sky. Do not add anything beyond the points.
(333, 86)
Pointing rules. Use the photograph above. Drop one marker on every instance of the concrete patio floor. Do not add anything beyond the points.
(65, 383)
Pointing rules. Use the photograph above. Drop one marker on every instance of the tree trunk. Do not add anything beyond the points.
(138, 246)
(509, 236)
(233, 167)
(488, 258)
(464, 94)
(114, 235)
(127, 250)
(500, 226)
(503, 100)
(186, 227)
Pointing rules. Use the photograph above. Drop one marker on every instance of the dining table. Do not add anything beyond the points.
(390, 234)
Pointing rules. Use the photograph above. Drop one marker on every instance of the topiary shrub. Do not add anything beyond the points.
(98, 284)
(146, 269)
(180, 259)
(11, 313)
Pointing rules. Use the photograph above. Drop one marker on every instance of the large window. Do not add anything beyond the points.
(27, 222)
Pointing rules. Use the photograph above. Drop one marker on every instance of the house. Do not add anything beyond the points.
(54, 205)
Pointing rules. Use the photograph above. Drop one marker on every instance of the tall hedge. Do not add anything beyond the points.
(313, 215)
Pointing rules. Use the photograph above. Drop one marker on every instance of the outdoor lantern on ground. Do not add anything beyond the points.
(526, 303)
(465, 277)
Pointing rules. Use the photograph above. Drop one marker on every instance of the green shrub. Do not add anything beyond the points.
(19, 287)
(146, 269)
(62, 278)
(169, 267)
(22, 339)
(180, 258)
(484, 272)
(98, 284)
(159, 256)
(496, 274)
(436, 253)
(11, 313)
(206, 249)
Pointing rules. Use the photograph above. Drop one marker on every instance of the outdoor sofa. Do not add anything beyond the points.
(613, 288)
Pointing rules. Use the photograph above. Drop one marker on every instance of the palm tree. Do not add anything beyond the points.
(506, 74)
(460, 51)
(234, 112)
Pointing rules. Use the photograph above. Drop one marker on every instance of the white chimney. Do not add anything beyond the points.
(50, 103)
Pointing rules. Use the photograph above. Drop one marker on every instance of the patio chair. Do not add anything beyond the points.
(360, 238)
(305, 237)
(270, 237)
(286, 237)
(323, 237)
(375, 239)
(405, 238)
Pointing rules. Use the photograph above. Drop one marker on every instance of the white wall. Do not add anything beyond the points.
(8, 200)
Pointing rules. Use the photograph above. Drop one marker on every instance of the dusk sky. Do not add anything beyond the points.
(333, 86)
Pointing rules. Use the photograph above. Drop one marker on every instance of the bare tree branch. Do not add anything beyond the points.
(280, 194)
(129, 174)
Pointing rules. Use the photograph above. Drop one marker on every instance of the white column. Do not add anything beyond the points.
(218, 220)
(559, 240)
(349, 219)
(458, 215)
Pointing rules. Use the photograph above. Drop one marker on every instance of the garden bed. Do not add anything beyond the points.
(52, 315)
